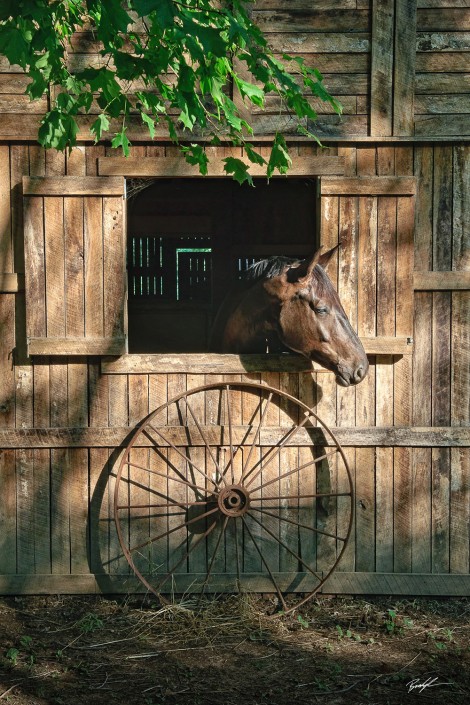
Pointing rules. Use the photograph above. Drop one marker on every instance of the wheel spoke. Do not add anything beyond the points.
(296, 523)
(237, 552)
(180, 453)
(211, 565)
(284, 545)
(256, 436)
(160, 506)
(230, 439)
(172, 530)
(185, 557)
(211, 453)
(277, 450)
(292, 472)
(268, 568)
(173, 479)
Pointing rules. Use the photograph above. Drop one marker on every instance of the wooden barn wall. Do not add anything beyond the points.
(412, 508)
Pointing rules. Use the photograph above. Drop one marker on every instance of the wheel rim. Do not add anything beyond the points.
(203, 504)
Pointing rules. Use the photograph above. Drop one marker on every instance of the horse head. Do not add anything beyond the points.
(309, 319)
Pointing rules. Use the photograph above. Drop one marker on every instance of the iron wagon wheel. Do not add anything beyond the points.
(233, 487)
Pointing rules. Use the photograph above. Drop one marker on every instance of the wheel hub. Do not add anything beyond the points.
(234, 501)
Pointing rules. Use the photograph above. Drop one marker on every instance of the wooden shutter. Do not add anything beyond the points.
(373, 219)
(75, 265)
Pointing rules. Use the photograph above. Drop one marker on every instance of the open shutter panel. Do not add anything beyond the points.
(373, 219)
(75, 265)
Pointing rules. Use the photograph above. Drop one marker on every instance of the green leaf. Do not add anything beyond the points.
(279, 159)
(121, 140)
(254, 93)
(165, 10)
(58, 130)
(100, 125)
(253, 156)
(150, 122)
(239, 170)
(195, 154)
(14, 46)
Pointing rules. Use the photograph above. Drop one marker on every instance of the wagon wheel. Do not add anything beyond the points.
(203, 504)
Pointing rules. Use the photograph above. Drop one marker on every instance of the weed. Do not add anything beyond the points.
(12, 655)
(394, 624)
(90, 623)
(348, 634)
(302, 621)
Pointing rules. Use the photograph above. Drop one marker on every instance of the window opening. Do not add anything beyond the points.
(190, 240)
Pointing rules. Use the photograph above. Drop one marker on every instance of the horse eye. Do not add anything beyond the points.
(320, 310)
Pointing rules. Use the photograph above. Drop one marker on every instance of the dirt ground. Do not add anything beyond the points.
(75, 650)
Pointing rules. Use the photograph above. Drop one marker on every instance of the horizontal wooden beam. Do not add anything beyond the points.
(347, 583)
(178, 167)
(11, 283)
(368, 186)
(76, 346)
(116, 437)
(206, 363)
(441, 281)
(73, 186)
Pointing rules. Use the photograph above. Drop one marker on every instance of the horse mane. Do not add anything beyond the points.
(264, 269)
(268, 268)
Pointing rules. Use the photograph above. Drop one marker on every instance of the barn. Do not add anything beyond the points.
(109, 267)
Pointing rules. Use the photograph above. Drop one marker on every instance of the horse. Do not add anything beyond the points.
(283, 303)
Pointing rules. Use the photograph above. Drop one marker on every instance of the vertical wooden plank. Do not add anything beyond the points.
(6, 244)
(139, 490)
(42, 509)
(421, 457)
(114, 285)
(197, 559)
(7, 376)
(346, 401)
(34, 266)
(421, 482)
(327, 400)
(441, 353)
(118, 415)
(25, 511)
(74, 274)
(55, 266)
(423, 168)
(99, 478)
(460, 457)
(461, 208)
(403, 371)
(158, 554)
(404, 68)
(19, 167)
(365, 392)
(386, 302)
(383, 17)
(93, 265)
(177, 541)
(8, 515)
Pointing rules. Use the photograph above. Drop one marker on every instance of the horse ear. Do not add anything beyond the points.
(326, 256)
(303, 272)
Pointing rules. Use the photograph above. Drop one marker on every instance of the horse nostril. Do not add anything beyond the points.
(360, 373)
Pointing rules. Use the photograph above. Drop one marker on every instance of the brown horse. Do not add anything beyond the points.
(291, 303)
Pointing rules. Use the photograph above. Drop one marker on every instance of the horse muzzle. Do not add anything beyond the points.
(347, 378)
